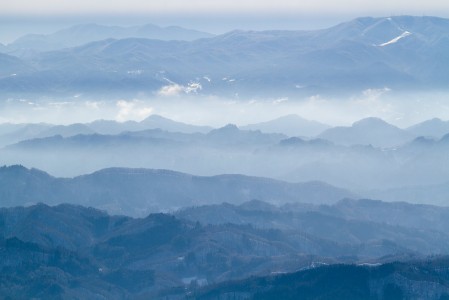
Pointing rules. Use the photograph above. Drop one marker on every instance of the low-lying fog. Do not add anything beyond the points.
(371, 158)
(402, 110)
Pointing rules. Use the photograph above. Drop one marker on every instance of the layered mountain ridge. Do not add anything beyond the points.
(137, 192)
(400, 53)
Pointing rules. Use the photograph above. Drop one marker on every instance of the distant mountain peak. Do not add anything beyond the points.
(290, 125)
(293, 117)
(228, 128)
(157, 121)
(155, 117)
(434, 127)
(293, 141)
(430, 122)
(82, 34)
(370, 121)
(369, 131)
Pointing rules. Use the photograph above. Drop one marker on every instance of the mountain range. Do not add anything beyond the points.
(86, 33)
(401, 53)
(435, 128)
(369, 131)
(315, 219)
(137, 192)
(66, 251)
(13, 133)
(369, 156)
(287, 208)
(418, 279)
(290, 125)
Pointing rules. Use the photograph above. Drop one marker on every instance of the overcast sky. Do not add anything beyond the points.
(224, 6)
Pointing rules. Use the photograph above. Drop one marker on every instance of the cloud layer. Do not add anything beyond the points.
(175, 103)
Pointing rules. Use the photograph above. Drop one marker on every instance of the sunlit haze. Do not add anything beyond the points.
(401, 110)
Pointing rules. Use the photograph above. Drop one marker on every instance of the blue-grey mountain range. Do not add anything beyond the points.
(370, 155)
(73, 251)
(368, 131)
(280, 209)
(435, 128)
(12, 133)
(400, 53)
(86, 33)
(137, 192)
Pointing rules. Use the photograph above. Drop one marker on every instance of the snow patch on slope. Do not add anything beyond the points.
(396, 39)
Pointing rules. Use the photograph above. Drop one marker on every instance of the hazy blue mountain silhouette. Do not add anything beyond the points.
(435, 127)
(401, 53)
(84, 33)
(369, 131)
(139, 191)
(290, 125)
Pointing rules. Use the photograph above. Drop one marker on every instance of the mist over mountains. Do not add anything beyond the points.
(436, 128)
(290, 125)
(369, 131)
(260, 201)
(137, 192)
(370, 157)
(408, 168)
(13, 133)
(399, 53)
(225, 233)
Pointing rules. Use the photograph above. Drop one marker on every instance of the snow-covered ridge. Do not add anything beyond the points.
(396, 39)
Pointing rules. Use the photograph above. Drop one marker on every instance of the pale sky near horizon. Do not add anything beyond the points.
(222, 6)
